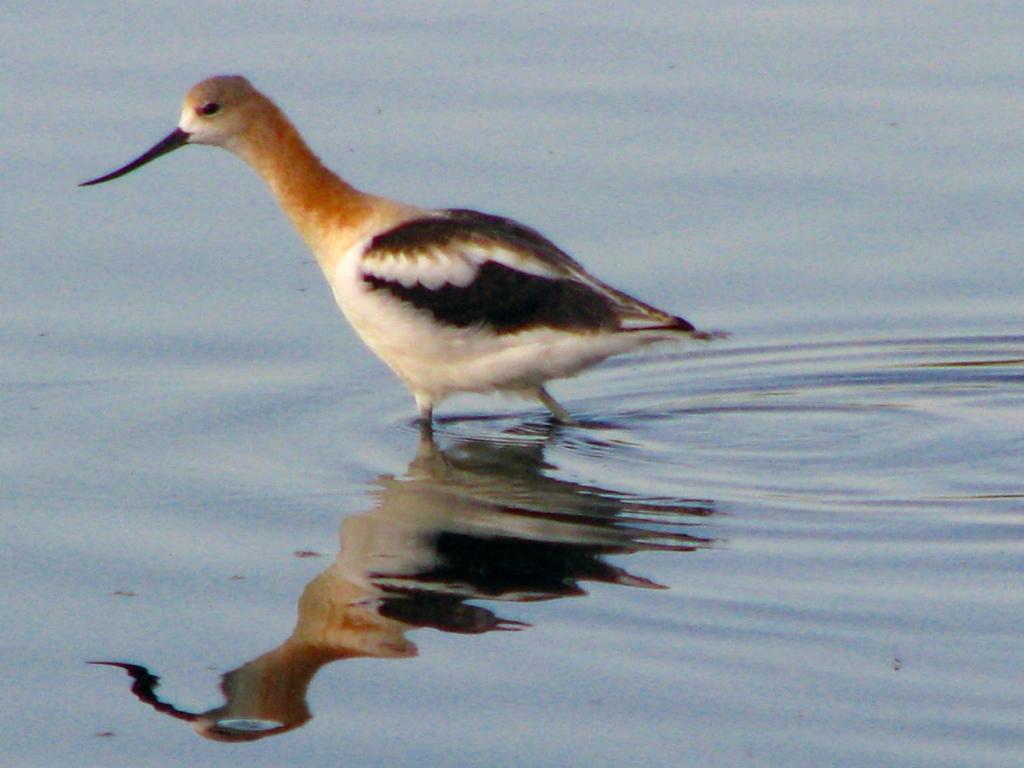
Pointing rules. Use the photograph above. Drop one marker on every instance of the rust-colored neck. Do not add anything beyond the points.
(318, 201)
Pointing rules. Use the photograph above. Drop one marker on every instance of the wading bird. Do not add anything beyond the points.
(451, 300)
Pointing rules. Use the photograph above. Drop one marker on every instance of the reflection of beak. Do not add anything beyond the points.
(173, 140)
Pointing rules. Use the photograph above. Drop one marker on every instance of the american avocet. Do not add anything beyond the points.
(452, 300)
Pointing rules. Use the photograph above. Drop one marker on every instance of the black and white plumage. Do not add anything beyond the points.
(507, 308)
(498, 275)
(451, 300)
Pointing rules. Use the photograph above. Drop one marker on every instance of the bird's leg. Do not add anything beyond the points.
(426, 426)
(426, 417)
(561, 415)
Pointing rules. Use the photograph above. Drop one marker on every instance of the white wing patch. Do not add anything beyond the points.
(455, 263)
(520, 261)
(431, 269)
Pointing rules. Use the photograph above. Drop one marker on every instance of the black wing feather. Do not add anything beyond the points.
(504, 299)
(508, 301)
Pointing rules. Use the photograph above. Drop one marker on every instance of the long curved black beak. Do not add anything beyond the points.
(170, 142)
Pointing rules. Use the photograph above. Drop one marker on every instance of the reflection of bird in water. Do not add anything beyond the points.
(478, 521)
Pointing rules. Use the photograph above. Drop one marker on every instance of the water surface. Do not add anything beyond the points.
(800, 546)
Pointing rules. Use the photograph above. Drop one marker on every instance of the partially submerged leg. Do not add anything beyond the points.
(426, 409)
(557, 410)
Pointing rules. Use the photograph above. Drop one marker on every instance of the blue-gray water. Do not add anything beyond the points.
(798, 547)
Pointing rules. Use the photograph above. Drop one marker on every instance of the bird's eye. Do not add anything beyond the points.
(209, 108)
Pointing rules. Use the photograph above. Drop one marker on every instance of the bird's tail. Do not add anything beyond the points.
(662, 325)
(667, 330)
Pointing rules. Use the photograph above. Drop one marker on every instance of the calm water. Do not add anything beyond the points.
(798, 547)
